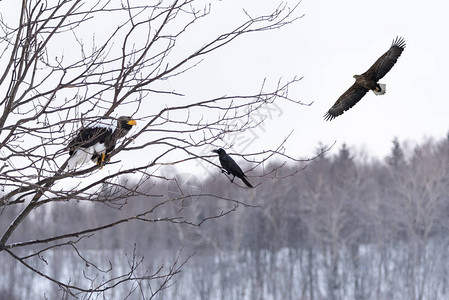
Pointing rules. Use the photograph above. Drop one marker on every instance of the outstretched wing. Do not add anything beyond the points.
(346, 101)
(384, 64)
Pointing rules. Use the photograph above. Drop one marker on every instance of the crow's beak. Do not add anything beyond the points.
(132, 122)
(215, 151)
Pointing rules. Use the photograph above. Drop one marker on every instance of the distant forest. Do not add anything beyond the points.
(341, 228)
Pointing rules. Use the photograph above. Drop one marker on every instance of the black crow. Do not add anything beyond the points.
(231, 166)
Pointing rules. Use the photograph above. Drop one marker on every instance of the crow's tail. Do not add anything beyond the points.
(245, 181)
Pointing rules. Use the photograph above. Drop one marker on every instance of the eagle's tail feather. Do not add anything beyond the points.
(380, 89)
(78, 158)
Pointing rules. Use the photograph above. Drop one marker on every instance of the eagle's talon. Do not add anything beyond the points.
(102, 160)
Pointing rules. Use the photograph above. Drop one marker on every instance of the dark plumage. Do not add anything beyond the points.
(231, 166)
(95, 143)
(368, 80)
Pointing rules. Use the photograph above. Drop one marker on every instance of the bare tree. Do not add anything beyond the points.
(69, 64)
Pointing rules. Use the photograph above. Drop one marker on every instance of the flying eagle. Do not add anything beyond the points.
(231, 166)
(368, 80)
(95, 143)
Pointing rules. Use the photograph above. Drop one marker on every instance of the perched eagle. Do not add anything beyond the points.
(368, 80)
(95, 143)
(231, 166)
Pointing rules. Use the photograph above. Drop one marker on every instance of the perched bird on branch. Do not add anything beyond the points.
(230, 166)
(368, 80)
(95, 143)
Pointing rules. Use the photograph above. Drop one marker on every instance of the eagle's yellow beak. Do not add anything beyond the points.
(132, 122)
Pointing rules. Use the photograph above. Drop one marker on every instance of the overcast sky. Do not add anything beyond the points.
(332, 42)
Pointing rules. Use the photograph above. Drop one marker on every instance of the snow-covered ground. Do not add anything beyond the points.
(412, 270)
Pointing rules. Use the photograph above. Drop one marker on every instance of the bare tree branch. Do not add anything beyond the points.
(63, 70)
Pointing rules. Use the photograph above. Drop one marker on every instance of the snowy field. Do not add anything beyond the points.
(404, 271)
